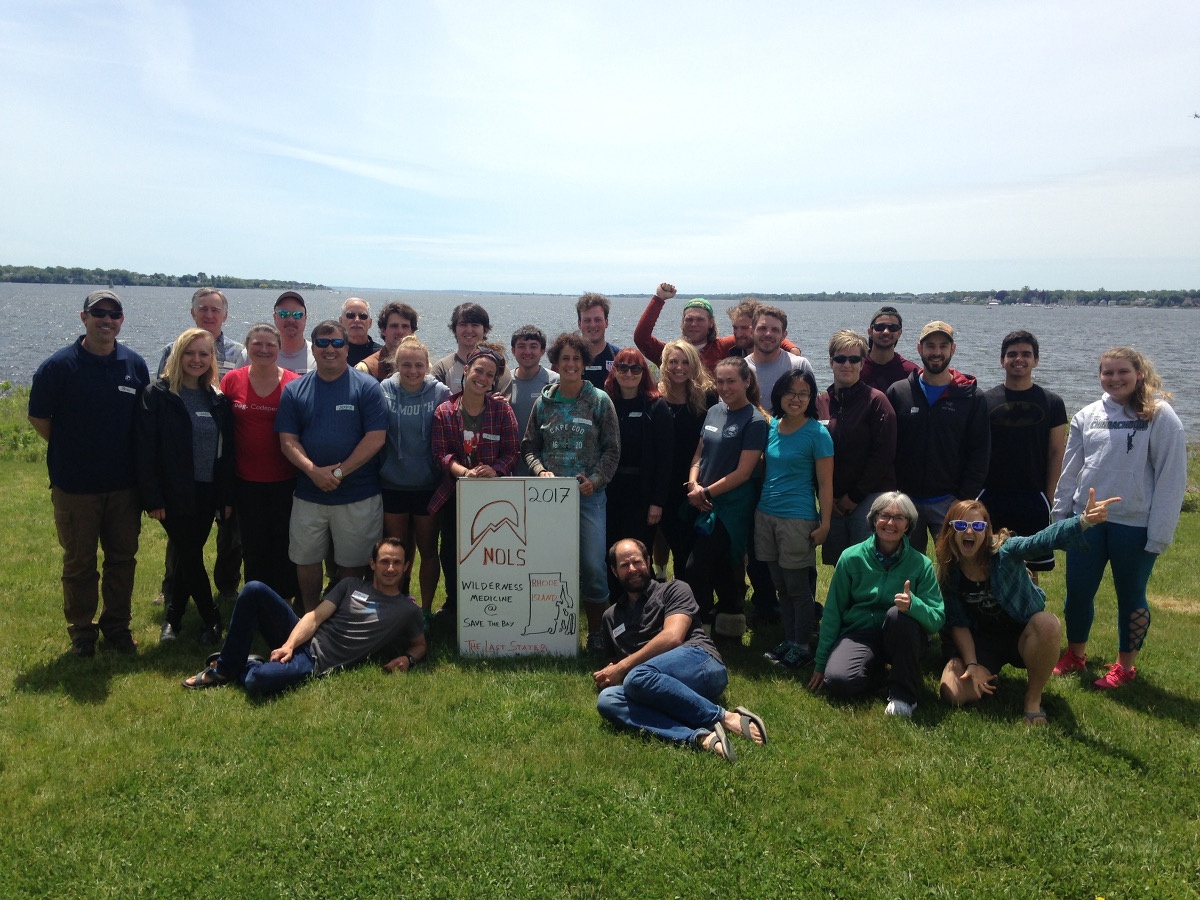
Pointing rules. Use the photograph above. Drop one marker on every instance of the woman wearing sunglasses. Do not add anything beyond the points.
(637, 495)
(995, 614)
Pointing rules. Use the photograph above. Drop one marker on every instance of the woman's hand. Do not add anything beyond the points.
(482, 471)
(545, 473)
(653, 515)
(1096, 511)
(817, 536)
(697, 499)
(980, 680)
(903, 599)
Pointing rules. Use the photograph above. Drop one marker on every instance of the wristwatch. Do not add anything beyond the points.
(337, 473)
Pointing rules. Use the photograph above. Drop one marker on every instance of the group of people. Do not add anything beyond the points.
(333, 454)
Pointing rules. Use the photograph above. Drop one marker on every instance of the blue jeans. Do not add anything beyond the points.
(593, 523)
(260, 610)
(1124, 547)
(671, 696)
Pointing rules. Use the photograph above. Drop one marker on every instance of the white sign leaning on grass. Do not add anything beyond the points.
(518, 566)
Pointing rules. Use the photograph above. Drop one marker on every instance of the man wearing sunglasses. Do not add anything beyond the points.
(290, 315)
(331, 424)
(356, 319)
(883, 366)
(82, 404)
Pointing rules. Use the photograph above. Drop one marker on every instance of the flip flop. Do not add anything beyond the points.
(206, 679)
(749, 718)
(1037, 719)
(722, 737)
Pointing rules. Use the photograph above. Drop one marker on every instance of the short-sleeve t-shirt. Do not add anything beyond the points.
(330, 418)
(1021, 422)
(522, 394)
(597, 370)
(630, 625)
(257, 456)
(366, 622)
(725, 435)
(769, 373)
(91, 401)
(789, 490)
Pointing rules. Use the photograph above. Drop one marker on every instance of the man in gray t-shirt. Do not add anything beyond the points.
(357, 620)
(768, 359)
(529, 378)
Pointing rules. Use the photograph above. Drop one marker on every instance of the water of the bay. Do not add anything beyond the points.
(1071, 337)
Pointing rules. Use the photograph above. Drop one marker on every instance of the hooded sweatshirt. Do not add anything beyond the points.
(408, 462)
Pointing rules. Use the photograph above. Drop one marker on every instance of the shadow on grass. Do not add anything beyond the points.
(1144, 696)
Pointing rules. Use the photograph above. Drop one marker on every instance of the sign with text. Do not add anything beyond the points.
(518, 566)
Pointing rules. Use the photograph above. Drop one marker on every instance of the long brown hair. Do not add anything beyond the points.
(700, 382)
(947, 547)
(646, 388)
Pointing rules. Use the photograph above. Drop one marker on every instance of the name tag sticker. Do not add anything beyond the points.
(634, 415)
(360, 595)
(712, 428)
(580, 420)
(345, 407)
(203, 415)
(490, 437)
(126, 389)
(619, 630)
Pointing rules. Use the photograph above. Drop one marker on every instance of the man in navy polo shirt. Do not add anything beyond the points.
(331, 424)
(82, 404)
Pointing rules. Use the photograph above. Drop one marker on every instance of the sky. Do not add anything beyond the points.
(569, 146)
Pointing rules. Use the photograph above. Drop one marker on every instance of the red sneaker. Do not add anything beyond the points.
(1116, 676)
(1069, 663)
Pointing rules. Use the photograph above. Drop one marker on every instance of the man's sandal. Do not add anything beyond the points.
(206, 679)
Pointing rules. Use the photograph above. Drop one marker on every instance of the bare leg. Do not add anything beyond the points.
(1038, 646)
(426, 529)
(309, 578)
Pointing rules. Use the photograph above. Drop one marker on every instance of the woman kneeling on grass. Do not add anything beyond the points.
(883, 603)
(995, 613)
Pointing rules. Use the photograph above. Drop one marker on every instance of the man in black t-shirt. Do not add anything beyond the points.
(1029, 435)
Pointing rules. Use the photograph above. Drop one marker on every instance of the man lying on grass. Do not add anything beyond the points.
(667, 674)
(356, 620)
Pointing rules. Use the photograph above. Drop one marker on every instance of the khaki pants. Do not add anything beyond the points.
(113, 521)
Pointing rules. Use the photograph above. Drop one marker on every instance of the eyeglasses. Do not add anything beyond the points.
(842, 360)
(106, 314)
(335, 343)
(881, 327)
(362, 317)
(797, 395)
(963, 525)
(290, 313)
(890, 517)
(629, 368)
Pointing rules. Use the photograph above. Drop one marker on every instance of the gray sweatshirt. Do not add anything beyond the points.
(1143, 463)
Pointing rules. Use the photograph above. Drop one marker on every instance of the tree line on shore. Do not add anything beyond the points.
(123, 277)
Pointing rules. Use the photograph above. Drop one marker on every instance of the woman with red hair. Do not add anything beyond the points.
(637, 495)
(995, 613)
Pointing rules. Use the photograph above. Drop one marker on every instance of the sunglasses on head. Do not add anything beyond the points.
(106, 313)
(885, 326)
(290, 313)
(335, 343)
(842, 359)
(963, 525)
(628, 368)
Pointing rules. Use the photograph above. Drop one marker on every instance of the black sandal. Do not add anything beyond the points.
(210, 677)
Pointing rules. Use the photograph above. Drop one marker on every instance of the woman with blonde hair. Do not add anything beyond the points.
(995, 613)
(184, 433)
(1128, 444)
(687, 388)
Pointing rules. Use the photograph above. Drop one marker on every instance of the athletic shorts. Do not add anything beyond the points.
(407, 503)
(353, 527)
(1023, 514)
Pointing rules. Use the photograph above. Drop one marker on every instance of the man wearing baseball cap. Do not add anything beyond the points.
(943, 439)
(883, 366)
(82, 403)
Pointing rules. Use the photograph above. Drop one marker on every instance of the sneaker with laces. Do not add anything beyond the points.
(777, 654)
(797, 657)
(899, 708)
(595, 643)
(1069, 662)
(1116, 676)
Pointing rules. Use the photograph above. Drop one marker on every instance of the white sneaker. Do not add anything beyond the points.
(899, 708)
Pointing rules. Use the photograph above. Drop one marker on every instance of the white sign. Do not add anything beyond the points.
(518, 566)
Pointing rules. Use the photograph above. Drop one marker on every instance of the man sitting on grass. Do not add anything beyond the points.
(667, 674)
(356, 620)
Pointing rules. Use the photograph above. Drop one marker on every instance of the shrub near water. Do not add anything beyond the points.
(498, 779)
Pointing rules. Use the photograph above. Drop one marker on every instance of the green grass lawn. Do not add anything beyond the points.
(497, 778)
